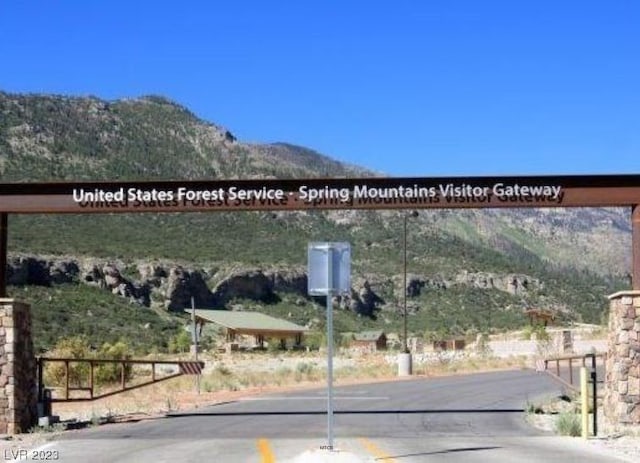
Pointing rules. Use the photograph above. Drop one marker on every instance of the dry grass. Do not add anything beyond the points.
(446, 367)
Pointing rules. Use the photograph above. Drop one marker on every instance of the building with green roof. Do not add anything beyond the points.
(255, 324)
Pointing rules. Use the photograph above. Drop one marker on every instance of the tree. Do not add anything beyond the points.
(180, 343)
(112, 372)
(75, 347)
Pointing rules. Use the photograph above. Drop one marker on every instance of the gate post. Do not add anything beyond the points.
(18, 388)
(622, 366)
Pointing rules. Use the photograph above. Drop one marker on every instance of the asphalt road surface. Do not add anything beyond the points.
(469, 418)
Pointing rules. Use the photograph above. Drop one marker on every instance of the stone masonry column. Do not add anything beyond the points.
(18, 384)
(622, 381)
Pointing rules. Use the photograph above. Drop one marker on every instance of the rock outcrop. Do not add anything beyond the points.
(250, 284)
(517, 284)
(288, 281)
(30, 270)
(364, 300)
(181, 285)
(172, 286)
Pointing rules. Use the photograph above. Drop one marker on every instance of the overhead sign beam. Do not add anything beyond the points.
(309, 194)
(325, 193)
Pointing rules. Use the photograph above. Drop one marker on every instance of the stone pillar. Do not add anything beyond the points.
(622, 381)
(18, 384)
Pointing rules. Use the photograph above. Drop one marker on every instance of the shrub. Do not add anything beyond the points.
(207, 386)
(78, 347)
(273, 345)
(112, 372)
(527, 331)
(180, 343)
(304, 367)
(315, 340)
(568, 424)
(541, 333)
(305, 371)
(539, 330)
(282, 373)
(72, 348)
(223, 370)
(482, 347)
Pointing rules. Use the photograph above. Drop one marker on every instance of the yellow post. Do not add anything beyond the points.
(584, 398)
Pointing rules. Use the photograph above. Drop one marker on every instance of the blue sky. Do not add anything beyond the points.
(405, 87)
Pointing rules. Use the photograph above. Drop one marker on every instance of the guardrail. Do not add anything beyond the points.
(564, 367)
(184, 368)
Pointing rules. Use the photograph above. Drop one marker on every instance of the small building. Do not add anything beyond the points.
(255, 324)
(370, 340)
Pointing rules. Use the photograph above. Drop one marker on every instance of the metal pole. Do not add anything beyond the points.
(122, 376)
(195, 339)
(91, 375)
(571, 371)
(594, 378)
(40, 380)
(404, 286)
(42, 405)
(584, 402)
(330, 348)
(66, 379)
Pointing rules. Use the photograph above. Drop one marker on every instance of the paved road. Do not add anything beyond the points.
(464, 418)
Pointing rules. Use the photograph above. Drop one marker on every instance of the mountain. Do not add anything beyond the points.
(572, 258)
(55, 137)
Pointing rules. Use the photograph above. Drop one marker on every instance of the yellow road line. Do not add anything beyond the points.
(376, 451)
(265, 451)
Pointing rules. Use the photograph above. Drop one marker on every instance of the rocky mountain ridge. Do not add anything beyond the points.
(171, 286)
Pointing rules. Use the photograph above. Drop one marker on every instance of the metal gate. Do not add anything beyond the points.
(90, 390)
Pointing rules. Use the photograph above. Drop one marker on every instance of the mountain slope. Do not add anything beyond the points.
(52, 137)
(579, 255)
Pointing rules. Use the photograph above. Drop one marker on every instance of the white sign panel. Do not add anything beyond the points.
(326, 279)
